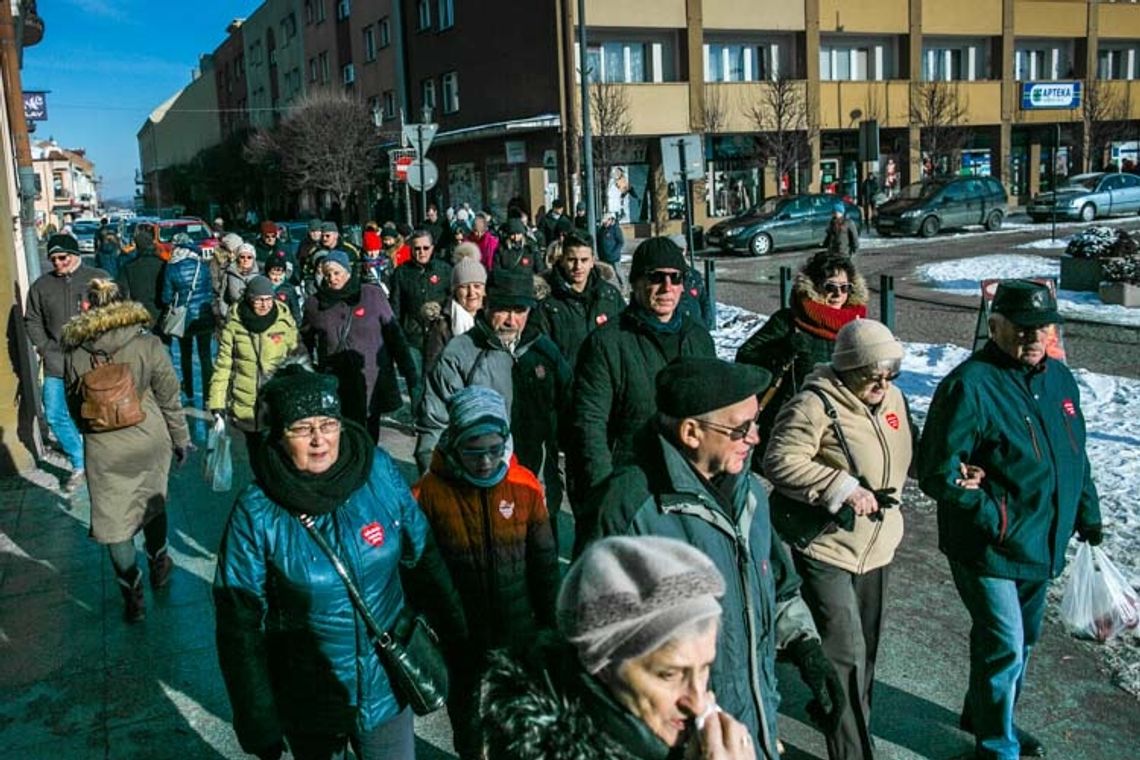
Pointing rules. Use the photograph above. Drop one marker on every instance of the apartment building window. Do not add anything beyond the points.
(423, 15)
(310, 14)
(1043, 60)
(313, 69)
(733, 62)
(348, 73)
(427, 92)
(385, 32)
(288, 28)
(446, 14)
(319, 10)
(273, 57)
(1118, 61)
(323, 60)
(369, 43)
(343, 9)
(389, 97)
(450, 92)
(255, 53)
(856, 60)
(948, 59)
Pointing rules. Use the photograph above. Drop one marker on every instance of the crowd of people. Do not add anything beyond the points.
(530, 381)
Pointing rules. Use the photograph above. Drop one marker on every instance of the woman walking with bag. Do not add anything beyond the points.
(838, 459)
(294, 652)
(127, 467)
(189, 312)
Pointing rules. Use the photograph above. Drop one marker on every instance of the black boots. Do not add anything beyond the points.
(160, 566)
(130, 584)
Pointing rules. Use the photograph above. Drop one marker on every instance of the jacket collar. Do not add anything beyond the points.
(561, 286)
(621, 725)
(991, 353)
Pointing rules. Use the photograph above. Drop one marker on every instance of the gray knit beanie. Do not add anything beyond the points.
(627, 596)
(474, 411)
(864, 343)
(231, 241)
(467, 271)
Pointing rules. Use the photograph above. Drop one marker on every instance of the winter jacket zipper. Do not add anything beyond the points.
(488, 554)
(883, 482)
(1033, 437)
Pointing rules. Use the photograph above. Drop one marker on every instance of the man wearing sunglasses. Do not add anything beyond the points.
(690, 480)
(616, 367)
(1015, 412)
(53, 299)
(424, 279)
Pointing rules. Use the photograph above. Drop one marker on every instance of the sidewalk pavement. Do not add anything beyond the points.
(80, 683)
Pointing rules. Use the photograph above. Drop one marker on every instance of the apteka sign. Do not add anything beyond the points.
(1043, 95)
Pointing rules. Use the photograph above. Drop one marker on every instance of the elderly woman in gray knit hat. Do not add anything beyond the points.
(457, 316)
(629, 678)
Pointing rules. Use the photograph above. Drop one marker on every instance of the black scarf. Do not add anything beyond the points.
(651, 324)
(349, 294)
(251, 321)
(300, 492)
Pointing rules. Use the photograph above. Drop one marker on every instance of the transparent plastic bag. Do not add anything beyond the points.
(219, 466)
(1098, 603)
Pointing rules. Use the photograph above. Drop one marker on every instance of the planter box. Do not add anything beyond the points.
(1081, 274)
(1121, 293)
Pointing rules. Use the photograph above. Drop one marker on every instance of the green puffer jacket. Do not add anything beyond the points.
(246, 360)
(568, 316)
(762, 610)
(615, 391)
(1024, 427)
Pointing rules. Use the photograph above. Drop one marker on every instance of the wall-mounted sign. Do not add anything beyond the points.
(35, 105)
(1043, 95)
(516, 151)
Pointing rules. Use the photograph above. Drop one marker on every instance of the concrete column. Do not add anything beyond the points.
(1034, 167)
(1009, 89)
(811, 61)
(1093, 42)
(914, 153)
(694, 65)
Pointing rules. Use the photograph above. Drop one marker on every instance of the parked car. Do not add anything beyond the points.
(84, 231)
(787, 221)
(1087, 196)
(924, 208)
(164, 230)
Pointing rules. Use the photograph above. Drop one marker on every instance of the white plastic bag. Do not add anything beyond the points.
(219, 467)
(1098, 603)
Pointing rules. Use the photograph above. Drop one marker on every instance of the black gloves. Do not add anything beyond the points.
(829, 702)
(1093, 534)
(274, 752)
(181, 453)
(845, 517)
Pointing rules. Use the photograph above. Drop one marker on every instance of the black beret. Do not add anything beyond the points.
(692, 386)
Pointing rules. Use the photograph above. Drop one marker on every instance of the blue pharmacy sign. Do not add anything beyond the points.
(1036, 96)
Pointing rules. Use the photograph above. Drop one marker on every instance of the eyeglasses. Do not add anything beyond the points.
(262, 299)
(245, 257)
(660, 277)
(487, 452)
(880, 377)
(738, 433)
(324, 427)
(421, 248)
(835, 288)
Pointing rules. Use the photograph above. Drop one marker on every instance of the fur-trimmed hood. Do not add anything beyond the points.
(803, 287)
(94, 323)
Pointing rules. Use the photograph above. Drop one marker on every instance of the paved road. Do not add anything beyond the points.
(925, 316)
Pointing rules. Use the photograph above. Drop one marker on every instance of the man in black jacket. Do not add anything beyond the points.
(140, 279)
(422, 279)
(53, 299)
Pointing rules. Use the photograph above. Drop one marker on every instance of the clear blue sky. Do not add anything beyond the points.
(109, 63)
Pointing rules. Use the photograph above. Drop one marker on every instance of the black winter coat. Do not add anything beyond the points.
(525, 257)
(140, 279)
(413, 285)
(52, 301)
(568, 316)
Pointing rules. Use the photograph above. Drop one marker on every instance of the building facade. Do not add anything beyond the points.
(230, 81)
(65, 183)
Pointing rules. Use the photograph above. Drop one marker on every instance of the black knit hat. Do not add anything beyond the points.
(656, 253)
(508, 288)
(515, 227)
(296, 392)
(62, 243)
(692, 386)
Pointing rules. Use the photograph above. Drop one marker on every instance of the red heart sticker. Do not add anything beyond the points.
(373, 533)
(693, 292)
(540, 372)
(1069, 407)
(359, 311)
(601, 319)
(433, 279)
(892, 420)
(506, 509)
(525, 261)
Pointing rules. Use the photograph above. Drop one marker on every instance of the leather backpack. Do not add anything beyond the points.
(110, 399)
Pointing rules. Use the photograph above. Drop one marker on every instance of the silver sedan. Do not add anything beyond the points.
(1087, 196)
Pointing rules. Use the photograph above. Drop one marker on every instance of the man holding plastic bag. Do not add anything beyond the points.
(1015, 414)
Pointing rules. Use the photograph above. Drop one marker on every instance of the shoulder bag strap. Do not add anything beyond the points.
(382, 638)
(194, 282)
(834, 417)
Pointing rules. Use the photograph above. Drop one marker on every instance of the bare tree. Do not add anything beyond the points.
(939, 110)
(1104, 115)
(326, 144)
(784, 124)
(715, 110)
(611, 123)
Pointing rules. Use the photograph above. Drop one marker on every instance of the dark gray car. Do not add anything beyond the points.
(789, 221)
(924, 208)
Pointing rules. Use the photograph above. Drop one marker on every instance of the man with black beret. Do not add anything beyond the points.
(53, 299)
(617, 364)
(504, 350)
(690, 480)
(1014, 412)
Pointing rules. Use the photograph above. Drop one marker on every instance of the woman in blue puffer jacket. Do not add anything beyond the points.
(186, 282)
(296, 657)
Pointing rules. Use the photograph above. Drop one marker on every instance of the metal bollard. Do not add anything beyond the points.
(887, 300)
(785, 287)
(710, 291)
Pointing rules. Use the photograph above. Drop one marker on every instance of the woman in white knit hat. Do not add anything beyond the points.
(628, 678)
(838, 458)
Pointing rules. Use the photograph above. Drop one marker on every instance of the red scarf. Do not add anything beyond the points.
(823, 321)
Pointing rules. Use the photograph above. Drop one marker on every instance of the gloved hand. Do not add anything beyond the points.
(829, 701)
(274, 752)
(884, 497)
(219, 414)
(845, 517)
(1093, 534)
(182, 453)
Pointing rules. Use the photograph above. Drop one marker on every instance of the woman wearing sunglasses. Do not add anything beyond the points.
(489, 517)
(841, 449)
(827, 294)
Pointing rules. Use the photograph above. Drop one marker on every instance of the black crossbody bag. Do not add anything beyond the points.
(409, 652)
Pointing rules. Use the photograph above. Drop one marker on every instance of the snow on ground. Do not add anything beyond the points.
(962, 277)
(1047, 244)
(1111, 407)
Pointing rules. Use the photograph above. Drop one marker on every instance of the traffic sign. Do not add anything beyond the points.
(419, 136)
(401, 165)
(671, 157)
(429, 173)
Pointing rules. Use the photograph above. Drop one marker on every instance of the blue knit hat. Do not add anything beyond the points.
(339, 257)
(476, 411)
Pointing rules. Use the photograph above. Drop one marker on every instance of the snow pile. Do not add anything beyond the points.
(1046, 244)
(962, 277)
